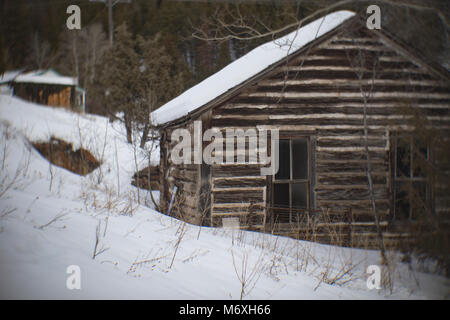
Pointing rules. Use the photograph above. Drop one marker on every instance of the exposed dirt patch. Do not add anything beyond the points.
(146, 179)
(61, 154)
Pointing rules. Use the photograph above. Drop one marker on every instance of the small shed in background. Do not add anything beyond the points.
(46, 87)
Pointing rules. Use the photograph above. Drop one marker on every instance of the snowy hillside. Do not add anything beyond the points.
(49, 217)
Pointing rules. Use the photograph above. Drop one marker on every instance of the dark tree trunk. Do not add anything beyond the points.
(144, 136)
(128, 128)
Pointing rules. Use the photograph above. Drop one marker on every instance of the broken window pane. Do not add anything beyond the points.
(418, 198)
(300, 158)
(402, 201)
(420, 157)
(281, 195)
(300, 195)
(403, 158)
(284, 160)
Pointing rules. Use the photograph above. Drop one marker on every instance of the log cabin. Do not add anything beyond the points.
(334, 90)
(46, 87)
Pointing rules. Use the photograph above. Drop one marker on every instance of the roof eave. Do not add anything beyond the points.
(250, 81)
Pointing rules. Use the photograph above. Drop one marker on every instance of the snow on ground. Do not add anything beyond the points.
(49, 217)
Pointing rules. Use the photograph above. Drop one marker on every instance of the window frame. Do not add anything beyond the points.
(291, 181)
(398, 178)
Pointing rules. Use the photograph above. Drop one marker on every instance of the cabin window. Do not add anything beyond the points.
(291, 184)
(411, 190)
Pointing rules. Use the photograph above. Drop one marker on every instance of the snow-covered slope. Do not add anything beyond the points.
(49, 217)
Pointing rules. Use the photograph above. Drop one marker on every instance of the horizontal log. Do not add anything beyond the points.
(351, 138)
(182, 179)
(350, 194)
(355, 46)
(241, 205)
(358, 69)
(244, 189)
(227, 196)
(332, 116)
(264, 112)
(351, 155)
(388, 122)
(349, 167)
(224, 213)
(358, 41)
(359, 179)
(345, 187)
(351, 149)
(305, 107)
(350, 75)
(382, 204)
(356, 163)
(338, 83)
(370, 94)
(322, 129)
(239, 182)
(332, 63)
(235, 170)
(186, 174)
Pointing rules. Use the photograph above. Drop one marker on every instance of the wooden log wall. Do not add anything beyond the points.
(147, 178)
(320, 94)
(185, 177)
(59, 98)
(51, 95)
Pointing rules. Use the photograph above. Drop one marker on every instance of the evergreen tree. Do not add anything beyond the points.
(119, 76)
(158, 81)
(138, 76)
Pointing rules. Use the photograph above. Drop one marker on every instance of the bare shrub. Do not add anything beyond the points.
(12, 178)
(150, 259)
(58, 217)
(181, 231)
(99, 235)
(247, 275)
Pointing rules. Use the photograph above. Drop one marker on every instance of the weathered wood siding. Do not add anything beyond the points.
(147, 178)
(185, 177)
(47, 94)
(319, 94)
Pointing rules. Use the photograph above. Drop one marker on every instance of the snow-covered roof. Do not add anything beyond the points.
(9, 76)
(246, 67)
(45, 76)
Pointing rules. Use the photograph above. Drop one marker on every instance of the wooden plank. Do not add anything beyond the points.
(235, 170)
(354, 180)
(227, 196)
(256, 181)
(350, 194)
(372, 95)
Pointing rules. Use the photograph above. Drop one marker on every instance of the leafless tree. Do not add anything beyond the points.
(81, 51)
(41, 55)
(232, 22)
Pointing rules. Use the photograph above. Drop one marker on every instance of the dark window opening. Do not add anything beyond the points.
(411, 189)
(291, 185)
